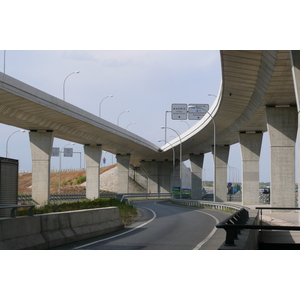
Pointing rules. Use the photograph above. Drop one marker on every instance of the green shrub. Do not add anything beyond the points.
(80, 180)
(127, 211)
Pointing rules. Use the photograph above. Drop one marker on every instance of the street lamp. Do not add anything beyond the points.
(60, 164)
(126, 111)
(76, 72)
(186, 123)
(173, 180)
(4, 62)
(9, 138)
(212, 118)
(180, 161)
(101, 103)
(167, 111)
(130, 124)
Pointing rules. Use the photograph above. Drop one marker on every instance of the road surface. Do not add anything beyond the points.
(163, 226)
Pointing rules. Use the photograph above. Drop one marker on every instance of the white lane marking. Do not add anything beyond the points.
(210, 235)
(112, 237)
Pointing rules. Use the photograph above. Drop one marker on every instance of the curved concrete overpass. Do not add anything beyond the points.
(26, 107)
(251, 80)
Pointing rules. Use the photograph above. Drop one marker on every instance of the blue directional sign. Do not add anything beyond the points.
(197, 111)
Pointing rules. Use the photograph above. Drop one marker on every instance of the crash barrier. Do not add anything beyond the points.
(60, 198)
(47, 231)
(249, 239)
(233, 228)
(238, 218)
(12, 209)
(209, 204)
(135, 196)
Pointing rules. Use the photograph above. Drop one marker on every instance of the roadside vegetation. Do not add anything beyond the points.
(128, 213)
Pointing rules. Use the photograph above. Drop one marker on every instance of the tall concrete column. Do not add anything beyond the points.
(165, 176)
(250, 148)
(196, 168)
(92, 159)
(295, 62)
(282, 127)
(41, 148)
(159, 175)
(123, 173)
(222, 154)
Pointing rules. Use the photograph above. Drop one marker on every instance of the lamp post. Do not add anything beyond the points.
(4, 61)
(212, 118)
(180, 161)
(167, 111)
(120, 115)
(173, 179)
(9, 138)
(186, 123)
(76, 72)
(130, 124)
(60, 164)
(101, 103)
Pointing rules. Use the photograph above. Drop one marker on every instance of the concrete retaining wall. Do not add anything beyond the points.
(50, 230)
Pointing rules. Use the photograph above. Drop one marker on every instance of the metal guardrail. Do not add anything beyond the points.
(134, 196)
(234, 224)
(60, 198)
(208, 204)
(231, 225)
(14, 209)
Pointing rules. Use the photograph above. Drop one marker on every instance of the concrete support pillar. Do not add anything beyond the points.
(123, 162)
(295, 62)
(196, 181)
(92, 159)
(165, 176)
(41, 148)
(282, 127)
(159, 175)
(250, 149)
(222, 154)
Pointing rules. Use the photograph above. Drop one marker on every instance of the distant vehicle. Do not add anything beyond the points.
(186, 192)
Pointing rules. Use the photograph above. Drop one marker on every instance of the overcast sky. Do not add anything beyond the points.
(144, 82)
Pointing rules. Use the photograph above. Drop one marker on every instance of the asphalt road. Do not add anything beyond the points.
(163, 226)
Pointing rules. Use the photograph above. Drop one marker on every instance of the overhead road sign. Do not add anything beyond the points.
(68, 152)
(55, 151)
(197, 111)
(179, 111)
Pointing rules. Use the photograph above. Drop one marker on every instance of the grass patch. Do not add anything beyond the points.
(127, 211)
(80, 180)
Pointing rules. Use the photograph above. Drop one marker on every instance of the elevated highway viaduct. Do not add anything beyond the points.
(259, 93)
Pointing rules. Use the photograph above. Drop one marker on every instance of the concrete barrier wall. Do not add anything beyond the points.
(50, 230)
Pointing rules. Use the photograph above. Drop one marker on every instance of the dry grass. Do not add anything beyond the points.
(68, 180)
